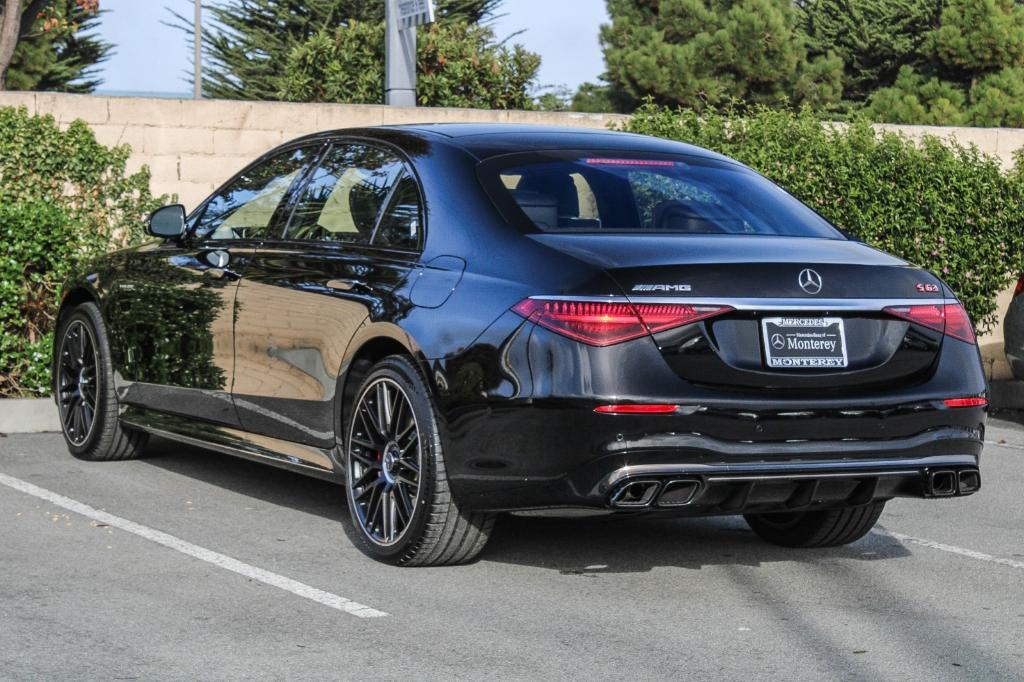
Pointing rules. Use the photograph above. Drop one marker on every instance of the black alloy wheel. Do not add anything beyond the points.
(385, 462)
(83, 385)
(402, 508)
(77, 379)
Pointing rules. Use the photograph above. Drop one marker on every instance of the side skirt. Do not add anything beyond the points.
(296, 457)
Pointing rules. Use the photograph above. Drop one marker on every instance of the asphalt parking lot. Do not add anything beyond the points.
(194, 565)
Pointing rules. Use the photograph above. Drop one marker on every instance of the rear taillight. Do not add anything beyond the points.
(950, 319)
(1019, 289)
(603, 323)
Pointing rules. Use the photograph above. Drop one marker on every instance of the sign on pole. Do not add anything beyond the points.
(401, 18)
(415, 13)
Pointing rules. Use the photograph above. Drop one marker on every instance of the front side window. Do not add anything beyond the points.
(245, 209)
(601, 192)
(346, 195)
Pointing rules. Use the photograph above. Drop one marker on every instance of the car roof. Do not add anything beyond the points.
(484, 140)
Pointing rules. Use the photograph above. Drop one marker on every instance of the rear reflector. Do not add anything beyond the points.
(966, 402)
(601, 323)
(635, 408)
(951, 319)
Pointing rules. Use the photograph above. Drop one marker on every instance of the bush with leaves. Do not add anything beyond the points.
(940, 205)
(457, 64)
(64, 199)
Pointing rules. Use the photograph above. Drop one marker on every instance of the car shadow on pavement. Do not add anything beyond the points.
(267, 483)
(621, 544)
(571, 545)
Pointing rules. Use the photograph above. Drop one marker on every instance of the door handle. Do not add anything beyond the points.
(344, 284)
(221, 273)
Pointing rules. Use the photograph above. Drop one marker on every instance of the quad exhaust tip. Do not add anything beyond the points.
(969, 481)
(636, 494)
(643, 493)
(942, 483)
(947, 482)
(679, 493)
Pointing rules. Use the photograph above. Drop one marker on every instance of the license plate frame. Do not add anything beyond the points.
(804, 343)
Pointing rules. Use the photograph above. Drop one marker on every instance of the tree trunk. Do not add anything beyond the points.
(10, 29)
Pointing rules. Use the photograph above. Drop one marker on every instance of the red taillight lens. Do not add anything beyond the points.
(1019, 289)
(635, 408)
(600, 323)
(966, 402)
(950, 319)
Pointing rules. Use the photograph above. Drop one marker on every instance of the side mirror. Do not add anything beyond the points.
(167, 222)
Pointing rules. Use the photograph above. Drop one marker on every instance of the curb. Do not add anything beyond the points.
(28, 415)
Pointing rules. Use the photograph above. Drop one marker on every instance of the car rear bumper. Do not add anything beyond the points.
(694, 473)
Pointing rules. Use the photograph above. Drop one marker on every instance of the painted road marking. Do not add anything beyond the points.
(201, 553)
(952, 549)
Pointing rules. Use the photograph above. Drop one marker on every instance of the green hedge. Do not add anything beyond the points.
(64, 199)
(940, 205)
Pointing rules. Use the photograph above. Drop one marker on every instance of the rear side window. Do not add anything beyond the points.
(352, 194)
(598, 192)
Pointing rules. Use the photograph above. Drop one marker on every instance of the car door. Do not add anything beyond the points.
(352, 237)
(171, 311)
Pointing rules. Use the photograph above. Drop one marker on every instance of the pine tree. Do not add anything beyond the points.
(246, 43)
(874, 38)
(707, 53)
(975, 60)
(56, 47)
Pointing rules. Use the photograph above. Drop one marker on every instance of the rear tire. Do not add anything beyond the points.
(396, 482)
(826, 528)
(83, 385)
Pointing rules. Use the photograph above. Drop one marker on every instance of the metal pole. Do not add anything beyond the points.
(399, 60)
(197, 87)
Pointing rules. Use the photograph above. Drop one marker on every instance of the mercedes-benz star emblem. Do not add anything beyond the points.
(810, 281)
(778, 341)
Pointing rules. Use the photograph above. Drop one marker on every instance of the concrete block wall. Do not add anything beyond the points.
(192, 146)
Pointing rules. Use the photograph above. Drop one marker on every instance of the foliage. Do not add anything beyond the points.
(458, 65)
(915, 99)
(64, 198)
(970, 72)
(872, 38)
(61, 51)
(703, 54)
(245, 42)
(940, 205)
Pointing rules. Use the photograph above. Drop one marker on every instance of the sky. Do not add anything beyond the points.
(154, 58)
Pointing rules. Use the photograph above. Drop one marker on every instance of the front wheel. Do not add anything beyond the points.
(825, 528)
(83, 384)
(397, 486)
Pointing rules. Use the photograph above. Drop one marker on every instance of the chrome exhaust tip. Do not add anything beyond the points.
(942, 483)
(968, 481)
(635, 494)
(679, 493)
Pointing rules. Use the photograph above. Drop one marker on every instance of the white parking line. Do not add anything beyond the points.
(952, 549)
(201, 553)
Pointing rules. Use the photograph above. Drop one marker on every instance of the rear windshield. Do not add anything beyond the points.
(598, 192)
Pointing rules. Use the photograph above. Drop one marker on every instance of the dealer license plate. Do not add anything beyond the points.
(804, 342)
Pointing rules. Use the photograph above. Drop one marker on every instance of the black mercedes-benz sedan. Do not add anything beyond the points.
(454, 321)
